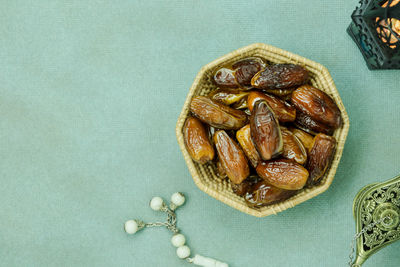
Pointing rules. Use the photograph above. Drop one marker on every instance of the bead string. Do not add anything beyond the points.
(170, 224)
(178, 240)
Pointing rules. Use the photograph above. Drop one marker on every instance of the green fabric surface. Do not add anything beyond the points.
(90, 92)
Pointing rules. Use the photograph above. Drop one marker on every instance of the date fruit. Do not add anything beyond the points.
(264, 193)
(320, 157)
(244, 138)
(242, 104)
(280, 76)
(306, 123)
(282, 93)
(232, 158)
(220, 169)
(244, 187)
(211, 131)
(305, 138)
(246, 68)
(227, 96)
(217, 114)
(283, 173)
(283, 111)
(293, 148)
(225, 78)
(317, 105)
(196, 140)
(265, 131)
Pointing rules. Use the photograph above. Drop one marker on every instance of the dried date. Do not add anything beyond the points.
(265, 131)
(293, 148)
(225, 78)
(282, 93)
(221, 170)
(283, 173)
(317, 105)
(227, 96)
(245, 186)
(306, 123)
(244, 138)
(280, 76)
(305, 138)
(320, 156)
(283, 111)
(197, 141)
(242, 104)
(245, 69)
(232, 158)
(217, 114)
(264, 193)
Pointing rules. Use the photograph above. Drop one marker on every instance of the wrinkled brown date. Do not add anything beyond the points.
(320, 156)
(280, 76)
(293, 148)
(282, 93)
(244, 138)
(220, 169)
(305, 138)
(227, 96)
(232, 157)
(245, 69)
(225, 78)
(197, 141)
(283, 111)
(265, 131)
(264, 193)
(306, 123)
(217, 114)
(211, 131)
(240, 73)
(318, 105)
(244, 187)
(283, 173)
(242, 104)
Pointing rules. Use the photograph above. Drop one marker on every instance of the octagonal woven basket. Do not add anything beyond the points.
(205, 176)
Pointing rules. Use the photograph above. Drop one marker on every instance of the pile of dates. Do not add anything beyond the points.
(266, 129)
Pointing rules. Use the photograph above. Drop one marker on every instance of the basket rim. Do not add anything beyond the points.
(309, 193)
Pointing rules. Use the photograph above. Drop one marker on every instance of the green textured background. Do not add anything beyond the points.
(90, 93)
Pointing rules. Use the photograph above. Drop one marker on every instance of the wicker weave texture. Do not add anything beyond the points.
(205, 176)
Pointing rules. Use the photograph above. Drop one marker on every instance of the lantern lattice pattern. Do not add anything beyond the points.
(376, 30)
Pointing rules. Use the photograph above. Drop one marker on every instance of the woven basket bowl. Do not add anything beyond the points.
(205, 176)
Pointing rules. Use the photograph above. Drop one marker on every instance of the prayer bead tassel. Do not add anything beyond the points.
(207, 262)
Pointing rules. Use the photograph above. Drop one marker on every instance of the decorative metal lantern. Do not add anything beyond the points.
(376, 210)
(376, 31)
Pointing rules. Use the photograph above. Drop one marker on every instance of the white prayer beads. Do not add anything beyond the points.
(183, 252)
(178, 240)
(178, 199)
(156, 203)
(131, 227)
